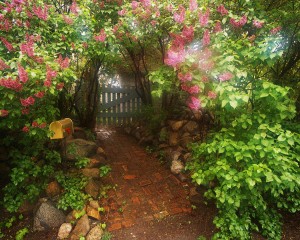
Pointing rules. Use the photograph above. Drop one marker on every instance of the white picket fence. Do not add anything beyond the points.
(118, 106)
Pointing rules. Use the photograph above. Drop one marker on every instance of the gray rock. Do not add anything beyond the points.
(191, 127)
(176, 125)
(47, 216)
(64, 231)
(96, 233)
(80, 148)
(91, 172)
(81, 229)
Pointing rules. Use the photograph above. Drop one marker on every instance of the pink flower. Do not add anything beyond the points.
(68, 20)
(34, 124)
(85, 44)
(43, 125)
(188, 33)
(7, 44)
(25, 111)
(3, 65)
(206, 38)
(60, 86)
(3, 113)
(225, 76)
(122, 12)
(37, 59)
(174, 58)
(25, 129)
(23, 76)
(258, 24)
(101, 37)
(74, 8)
(39, 94)
(27, 48)
(193, 5)
(218, 27)
(240, 23)
(146, 3)
(180, 15)
(40, 12)
(212, 95)
(203, 18)
(64, 63)
(221, 9)
(134, 5)
(27, 101)
(11, 84)
(47, 83)
(275, 30)
(194, 103)
(169, 8)
(50, 74)
(204, 79)
(194, 89)
(206, 65)
(185, 77)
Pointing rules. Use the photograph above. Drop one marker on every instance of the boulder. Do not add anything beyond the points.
(47, 217)
(92, 188)
(80, 148)
(81, 229)
(80, 133)
(64, 231)
(91, 172)
(96, 233)
(53, 189)
(94, 163)
(177, 167)
(92, 212)
(174, 139)
(176, 125)
(100, 151)
(94, 204)
(191, 127)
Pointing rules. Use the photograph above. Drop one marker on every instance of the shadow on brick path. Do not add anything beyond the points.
(145, 189)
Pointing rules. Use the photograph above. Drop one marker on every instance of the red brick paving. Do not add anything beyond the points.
(145, 189)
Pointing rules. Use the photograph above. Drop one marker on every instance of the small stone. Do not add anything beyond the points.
(100, 151)
(96, 233)
(94, 204)
(129, 177)
(191, 127)
(92, 212)
(177, 167)
(64, 231)
(93, 163)
(92, 188)
(174, 138)
(81, 229)
(53, 189)
(91, 172)
(80, 148)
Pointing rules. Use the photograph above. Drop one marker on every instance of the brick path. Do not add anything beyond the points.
(146, 189)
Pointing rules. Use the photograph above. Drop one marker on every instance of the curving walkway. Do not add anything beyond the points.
(145, 189)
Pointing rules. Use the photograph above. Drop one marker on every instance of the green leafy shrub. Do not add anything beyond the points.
(254, 164)
(104, 170)
(73, 196)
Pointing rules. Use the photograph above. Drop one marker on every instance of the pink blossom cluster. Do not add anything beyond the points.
(68, 20)
(23, 75)
(27, 101)
(64, 63)
(11, 84)
(74, 8)
(27, 48)
(184, 77)
(3, 65)
(3, 113)
(122, 12)
(7, 44)
(195, 89)
(25, 111)
(193, 6)
(206, 38)
(212, 95)
(5, 25)
(134, 5)
(40, 12)
(225, 76)
(174, 58)
(146, 3)
(179, 16)
(194, 103)
(60, 86)
(50, 74)
(39, 94)
(258, 24)
(204, 18)
(222, 10)
(240, 23)
(188, 33)
(275, 30)
(37, 125)
(25, 129)
(218, 27)
(101, 37)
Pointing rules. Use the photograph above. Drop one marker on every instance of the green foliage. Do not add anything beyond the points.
(104, 170)
(107, 236)
(81, 162)
(73, 196)
(254, 162)
(21, 233)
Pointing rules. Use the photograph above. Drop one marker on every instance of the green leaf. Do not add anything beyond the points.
(233, 103)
